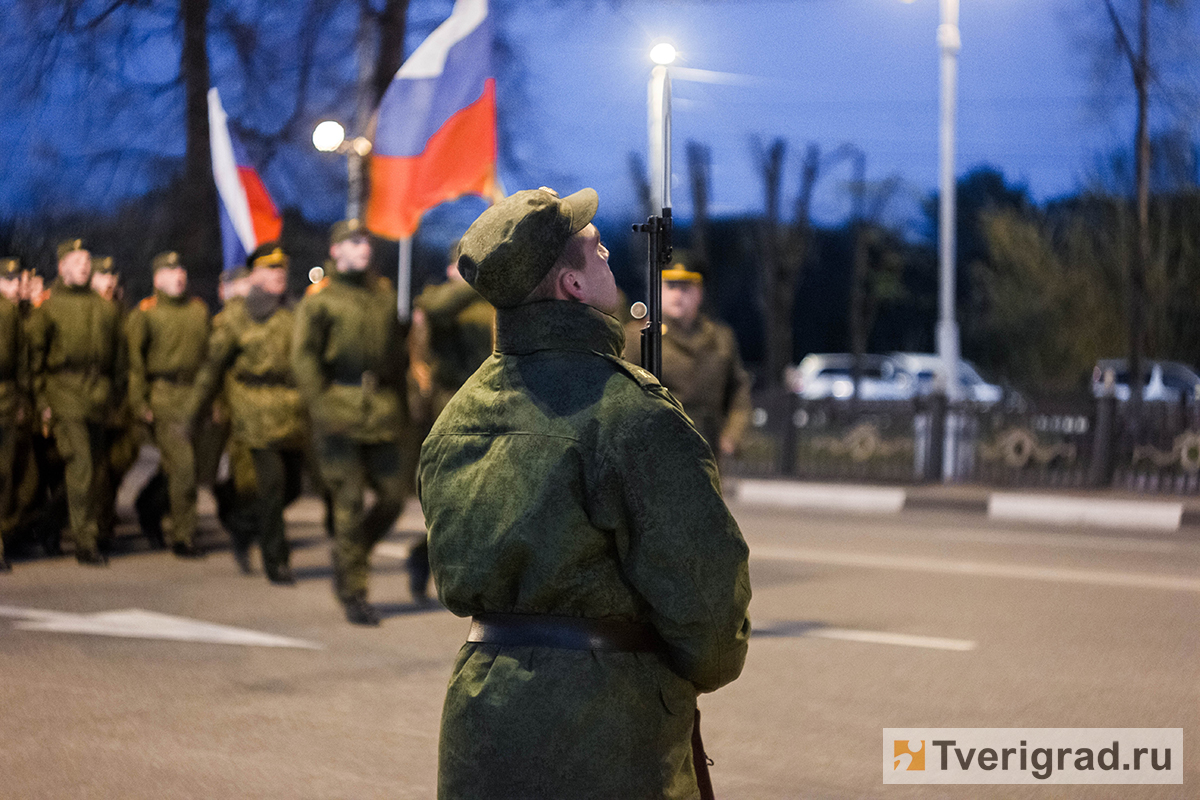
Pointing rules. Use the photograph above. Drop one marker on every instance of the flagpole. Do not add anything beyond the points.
(404, 280)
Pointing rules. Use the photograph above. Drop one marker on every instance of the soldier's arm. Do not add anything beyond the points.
(39, 330)
(684, 553)
(308, 345)
(139, 388)
(738, 405)
(222, 350)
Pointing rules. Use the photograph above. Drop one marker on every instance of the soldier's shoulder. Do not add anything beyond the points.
(148, 303)
(642, 377)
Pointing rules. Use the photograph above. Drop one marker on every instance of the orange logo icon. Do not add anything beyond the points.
(909, 755)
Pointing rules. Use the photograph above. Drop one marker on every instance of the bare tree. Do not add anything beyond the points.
(783, 250)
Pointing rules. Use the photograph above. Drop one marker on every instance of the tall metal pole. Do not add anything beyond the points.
(949, 41)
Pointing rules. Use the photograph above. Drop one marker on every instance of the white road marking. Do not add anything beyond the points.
(392, 550)
(1135, 580)
(135, 623)
(1081, 541)
(901, 639)
(1086, 511)
(786, 494)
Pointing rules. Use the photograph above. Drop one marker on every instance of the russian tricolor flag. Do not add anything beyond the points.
(248, 216)
(436, 135)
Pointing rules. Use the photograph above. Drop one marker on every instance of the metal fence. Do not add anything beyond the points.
(1072, 442)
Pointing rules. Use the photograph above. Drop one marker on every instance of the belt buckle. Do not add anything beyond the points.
(370, 381)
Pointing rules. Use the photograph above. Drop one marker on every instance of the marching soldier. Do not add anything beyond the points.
(701, 365)
(13, 381)
(168, 333)
(349, 355)
(250, 352)
(77, 359)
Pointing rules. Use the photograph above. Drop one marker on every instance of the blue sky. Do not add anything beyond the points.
(831, 72)
(863, 72)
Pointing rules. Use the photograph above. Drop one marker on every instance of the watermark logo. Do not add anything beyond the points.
(1032, 756)
(908, 755)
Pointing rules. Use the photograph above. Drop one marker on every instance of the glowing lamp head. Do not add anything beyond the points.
(328, 136)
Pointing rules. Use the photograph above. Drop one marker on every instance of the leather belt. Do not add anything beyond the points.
(368, 380)
(270, 379)
(180, 376)
(567, 633)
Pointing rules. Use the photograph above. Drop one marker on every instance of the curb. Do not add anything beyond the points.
(1053, 509)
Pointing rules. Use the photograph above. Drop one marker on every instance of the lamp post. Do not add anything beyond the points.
(330, 137)
(949, 43)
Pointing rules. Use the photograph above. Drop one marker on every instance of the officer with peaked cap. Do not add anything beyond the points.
(576, 514)
(701, 365)
(350, 356)
(168, 334)
(78, 364)
(250, 355)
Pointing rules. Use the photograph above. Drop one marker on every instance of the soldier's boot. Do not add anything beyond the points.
(360, 612)
(418, 572)
(151, 506)
(5, 566)
(280, 574)
(186, 550)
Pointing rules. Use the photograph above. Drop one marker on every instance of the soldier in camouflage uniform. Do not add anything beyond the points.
(350, 356)
(168, 333)
(13, 388)
(77, 360)
(250, 352)
(455, 328)
(575, 512)
(701, 365)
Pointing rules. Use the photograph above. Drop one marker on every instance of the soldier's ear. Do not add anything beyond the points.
(569, 285)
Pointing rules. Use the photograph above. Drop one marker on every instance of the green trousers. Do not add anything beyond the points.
(280, 476)
(83, 447)
(179, 465)
(349, 467)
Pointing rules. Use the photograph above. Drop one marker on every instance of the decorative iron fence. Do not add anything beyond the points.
(1072, 442)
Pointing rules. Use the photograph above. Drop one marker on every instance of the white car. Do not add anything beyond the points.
(925, 369)
(1165, 380)
(819, 376)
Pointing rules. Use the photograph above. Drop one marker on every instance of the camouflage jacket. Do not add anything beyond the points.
(250, 352)
(563, 480)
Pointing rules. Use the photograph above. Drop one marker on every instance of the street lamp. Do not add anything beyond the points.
(330, 137)
(949, 43)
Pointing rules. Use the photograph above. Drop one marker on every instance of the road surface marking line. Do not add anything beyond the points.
(136, 623)
(1135, 580)
(1002, 537)
(1084, 511)
(867, 499)
(901, 639)
(391, 550)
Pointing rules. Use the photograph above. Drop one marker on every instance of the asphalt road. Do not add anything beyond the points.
(928, 619)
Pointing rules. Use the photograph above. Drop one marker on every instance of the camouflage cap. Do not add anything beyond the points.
(347, 229)
(168, 259)
(69, 246)
(10, 267)
(102, 265)
(512, 245)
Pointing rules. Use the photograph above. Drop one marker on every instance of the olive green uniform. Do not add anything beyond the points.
(702, 368)
(13, 386)
(350, 357)
(167, 341)
(460, 336)
(562, 480)
(250, 354)
(77, 360)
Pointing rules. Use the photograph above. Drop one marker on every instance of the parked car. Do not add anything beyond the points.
(831, 375)
(925, 368)
(1161, 380)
